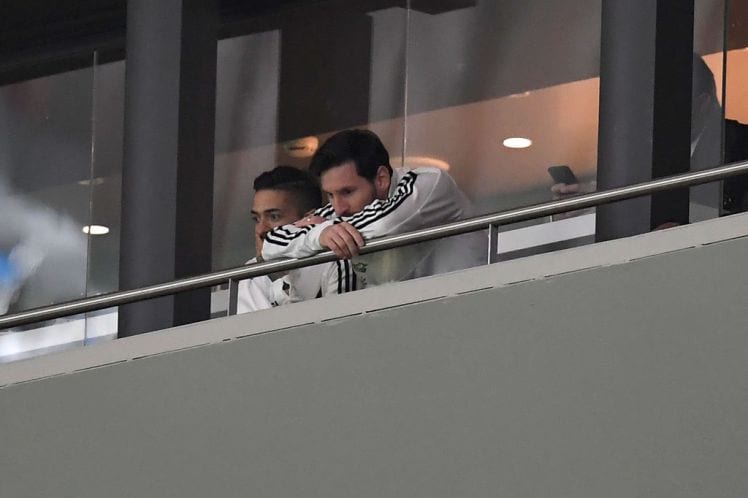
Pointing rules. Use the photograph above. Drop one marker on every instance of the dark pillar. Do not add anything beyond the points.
(167, 180)
(671, 146)
(645, 109)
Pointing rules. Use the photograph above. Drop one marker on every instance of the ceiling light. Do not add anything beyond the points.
(517, 143)
(92, 182)
(95, 229)
(302, 147)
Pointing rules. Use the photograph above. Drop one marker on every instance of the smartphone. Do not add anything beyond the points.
(562, 174)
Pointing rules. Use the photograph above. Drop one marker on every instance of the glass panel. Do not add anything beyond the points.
(106, 193)
(736, 104)
(109, 101)
(246, 136)
(479, 74)
(45, 168)
(706, 111)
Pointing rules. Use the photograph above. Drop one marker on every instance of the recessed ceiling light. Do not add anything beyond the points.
(95, 229)
(517, 143)
(92, 181)
(302, 147)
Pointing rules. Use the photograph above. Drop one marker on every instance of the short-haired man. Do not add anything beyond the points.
(369, 199)
(282, 196)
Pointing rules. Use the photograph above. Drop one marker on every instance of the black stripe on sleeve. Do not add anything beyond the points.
(347, 276)
(286, 234)
(325, 211)
(404, 187)
(370, 215)
(340, 278)
(282, 236)
(278, 242)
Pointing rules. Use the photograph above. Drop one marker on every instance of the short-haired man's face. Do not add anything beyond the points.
(348, 192)
(271, 209)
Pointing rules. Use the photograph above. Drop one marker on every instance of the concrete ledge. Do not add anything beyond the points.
(376, 299)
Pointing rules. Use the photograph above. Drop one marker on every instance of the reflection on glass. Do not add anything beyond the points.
(106, 177)
(501, 97)
(45, 144)
(45, 168)
(706, 112)
(735, 100)
(105, 195)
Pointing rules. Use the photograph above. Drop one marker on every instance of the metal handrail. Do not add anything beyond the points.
(376, 245)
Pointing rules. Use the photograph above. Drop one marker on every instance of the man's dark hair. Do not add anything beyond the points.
(362, 147)
(298, 183)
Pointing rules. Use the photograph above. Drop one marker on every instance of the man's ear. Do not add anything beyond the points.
(382, 182)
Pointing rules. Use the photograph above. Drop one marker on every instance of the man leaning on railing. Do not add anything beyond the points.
(370, 199)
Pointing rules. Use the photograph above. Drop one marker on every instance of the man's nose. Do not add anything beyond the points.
(340, 207)
(261, 228)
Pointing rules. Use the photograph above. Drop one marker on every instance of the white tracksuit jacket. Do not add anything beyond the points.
(263, 292)
(418, 198)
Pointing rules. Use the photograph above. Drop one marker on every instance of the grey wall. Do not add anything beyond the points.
(615, 381)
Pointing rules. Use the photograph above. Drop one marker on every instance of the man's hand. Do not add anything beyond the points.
(342, 239)
(563, 191)
(258, 246)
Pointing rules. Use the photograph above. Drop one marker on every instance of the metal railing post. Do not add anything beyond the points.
(233, 297)
(493, 243)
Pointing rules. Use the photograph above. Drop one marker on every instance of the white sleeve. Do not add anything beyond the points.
(254, 294)
(290, 241)
(420, 200)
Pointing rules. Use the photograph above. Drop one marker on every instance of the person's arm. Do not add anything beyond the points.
(561, 191)
(420, 200)
(377, 218)
(291, 241)
(253, 295)
(296, 240)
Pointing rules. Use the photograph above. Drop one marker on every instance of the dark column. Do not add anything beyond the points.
(167, 180)
(671, 146)
(645, 109)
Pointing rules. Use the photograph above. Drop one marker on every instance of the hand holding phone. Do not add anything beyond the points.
(563, 174)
